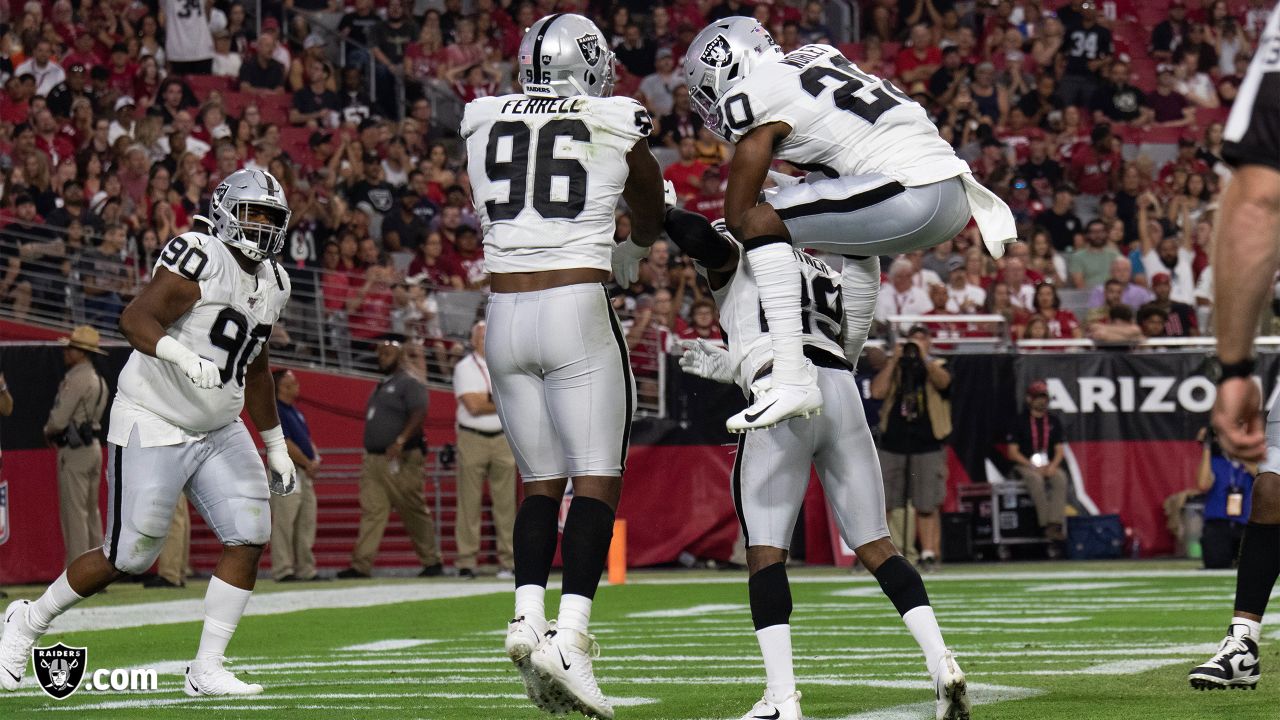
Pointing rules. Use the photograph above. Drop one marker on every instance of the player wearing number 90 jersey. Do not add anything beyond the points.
(198, 330)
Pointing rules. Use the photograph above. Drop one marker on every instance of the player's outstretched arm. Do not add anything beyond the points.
(751, 159)
(643, 193)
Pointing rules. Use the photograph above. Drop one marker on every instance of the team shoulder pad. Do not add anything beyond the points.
(622, 116)
(748, 106)
(192, 256)
(478, 112)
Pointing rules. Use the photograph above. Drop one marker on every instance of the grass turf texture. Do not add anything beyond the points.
(1067, 641)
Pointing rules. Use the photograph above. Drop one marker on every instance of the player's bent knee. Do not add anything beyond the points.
(762, 221)
(137, 557)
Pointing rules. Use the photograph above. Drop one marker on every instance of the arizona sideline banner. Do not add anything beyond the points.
(1130, 421)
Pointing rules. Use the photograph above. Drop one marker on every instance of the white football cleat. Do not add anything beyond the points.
(208, 677)
(780, 402)
(951, 689)
(768, 708)
(524, 635)
(563, 663)
(1234, 666)
(16, 644)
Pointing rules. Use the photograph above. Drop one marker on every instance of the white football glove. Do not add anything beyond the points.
(705, 359)
(626, 262)
(669, 197)
(202, 371)
(283, 478)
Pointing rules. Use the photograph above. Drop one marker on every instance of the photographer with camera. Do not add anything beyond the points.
(915, 422)
(1227, 484)
(73, 427)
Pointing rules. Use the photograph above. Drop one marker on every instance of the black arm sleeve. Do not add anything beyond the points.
(693, 234)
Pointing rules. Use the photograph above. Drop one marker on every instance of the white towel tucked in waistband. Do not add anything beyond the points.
(995, 220)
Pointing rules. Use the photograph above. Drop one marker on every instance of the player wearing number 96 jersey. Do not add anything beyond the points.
(891, 183)
(548, 167)
(771, 470)
(199, 331)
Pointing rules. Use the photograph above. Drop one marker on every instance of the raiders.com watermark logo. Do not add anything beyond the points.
(61, 671)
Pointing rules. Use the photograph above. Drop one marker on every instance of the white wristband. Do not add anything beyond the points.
(175, 352)
(272, 437)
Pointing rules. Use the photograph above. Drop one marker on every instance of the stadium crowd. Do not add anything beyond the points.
(114, 132)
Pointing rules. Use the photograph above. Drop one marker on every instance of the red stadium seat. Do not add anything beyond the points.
(1208, 116)
(202, 85)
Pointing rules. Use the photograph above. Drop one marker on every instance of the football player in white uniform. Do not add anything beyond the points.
(771, 471)
(199, 331)
(547, 168)
(893, 185)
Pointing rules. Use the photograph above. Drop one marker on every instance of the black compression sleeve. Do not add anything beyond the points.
(693, 234)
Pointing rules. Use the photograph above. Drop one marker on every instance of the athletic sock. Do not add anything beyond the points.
(1246, 627)
(777, 275)
(531, 602)
(775, 648)
(575, 613)
(534, 538)
(588, 530)
(57, 599)
(859, 290)
(223, 606)
(770, 595)
(1259, 567)
(902, 584)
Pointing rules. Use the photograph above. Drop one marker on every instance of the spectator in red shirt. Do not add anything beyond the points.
(704, 325)
(918, 61)
(709, 202)
(369, 305)
(122, 70)
(1063, 324)
(49, 140)
(18, 92)
(686, 174)
(1094, 169)
(438, 269)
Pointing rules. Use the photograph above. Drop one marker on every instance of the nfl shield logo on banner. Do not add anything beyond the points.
(4, 511)
(59, 669)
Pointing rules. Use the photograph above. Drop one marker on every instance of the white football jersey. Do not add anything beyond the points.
(229, 325)
(187, 37)
(844, 121)
(747, 331)
(546, 176)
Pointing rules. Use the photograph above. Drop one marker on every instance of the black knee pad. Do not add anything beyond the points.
(770, 596)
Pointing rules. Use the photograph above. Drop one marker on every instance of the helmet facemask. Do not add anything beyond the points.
(260, 240)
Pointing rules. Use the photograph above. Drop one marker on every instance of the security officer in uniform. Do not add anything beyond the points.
(391, 476)
(73, 426)
(482, 451)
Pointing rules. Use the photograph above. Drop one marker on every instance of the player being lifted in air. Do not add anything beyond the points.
(547, 168)
(892, 184)
(771, 471)
(199, 331)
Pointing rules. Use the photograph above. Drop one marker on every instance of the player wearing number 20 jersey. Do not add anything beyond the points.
(548, 167)
(199, 330)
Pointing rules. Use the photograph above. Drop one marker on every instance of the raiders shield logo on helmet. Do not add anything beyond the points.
(59, 669)
(717, 52)
(589, 44)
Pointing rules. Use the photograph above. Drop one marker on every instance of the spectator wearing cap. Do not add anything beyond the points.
(188, 40)
(263, 75)
(915, 423)
(656, 87)
(42, 66)
(1182, 320)
(315, 105)
(1118, 100)
(949, 76)
(963, 296)
(66, 92)
(1088, 50)
(227, 61)
(1169, 108)
(1037, 451)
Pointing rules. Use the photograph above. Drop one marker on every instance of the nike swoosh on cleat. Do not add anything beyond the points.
(776, 714)
(562, 662)
(1247, 668)
(16, 678)
(752, 418)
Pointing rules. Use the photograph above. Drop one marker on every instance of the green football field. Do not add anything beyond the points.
(1072, 641)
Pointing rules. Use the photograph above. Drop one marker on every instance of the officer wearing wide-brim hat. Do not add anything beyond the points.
(73, 426)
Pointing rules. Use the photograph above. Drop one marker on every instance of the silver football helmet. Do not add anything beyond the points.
(721, 56)
(243, 195)
(563, 55)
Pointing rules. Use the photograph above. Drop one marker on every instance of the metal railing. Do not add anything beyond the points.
(63, 285)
